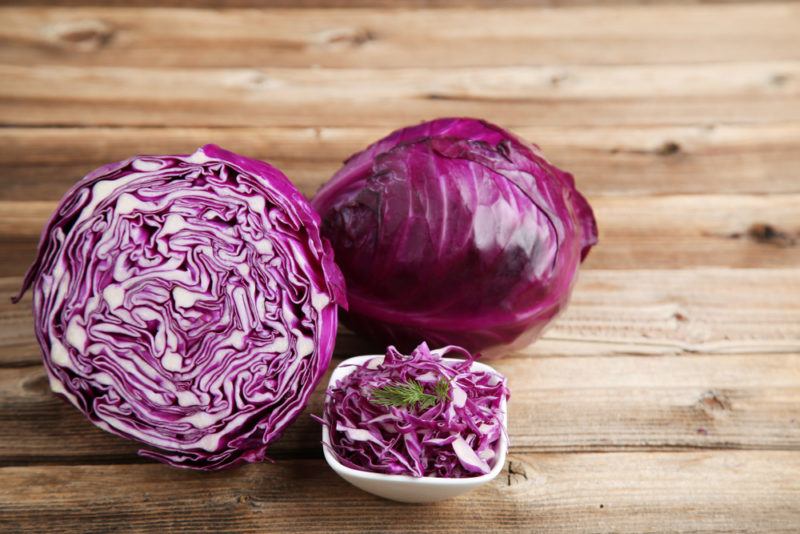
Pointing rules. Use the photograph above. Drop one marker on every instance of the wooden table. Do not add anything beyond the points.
(666, 398)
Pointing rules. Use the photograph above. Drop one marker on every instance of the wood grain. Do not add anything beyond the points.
(676, 231)
(612, 313)
(373, 38)
(666, 398)
(678, 312)
(699, 230)
(350, 4)
(562, 403)
(742, 491)
(42, 163)
(760, 92)
(707, 383)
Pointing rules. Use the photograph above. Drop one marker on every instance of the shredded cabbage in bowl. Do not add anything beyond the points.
(422, 415)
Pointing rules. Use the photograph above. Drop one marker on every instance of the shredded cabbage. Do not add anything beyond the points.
(456, 436)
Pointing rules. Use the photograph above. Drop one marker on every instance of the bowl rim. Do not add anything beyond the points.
(340, 371)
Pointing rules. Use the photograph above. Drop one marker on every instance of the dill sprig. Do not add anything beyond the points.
(410, 394)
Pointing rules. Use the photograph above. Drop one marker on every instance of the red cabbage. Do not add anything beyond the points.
(187, 302)
(455, 232)
(454, 436)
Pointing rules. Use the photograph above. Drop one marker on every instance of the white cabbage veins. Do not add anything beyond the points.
(187, 303)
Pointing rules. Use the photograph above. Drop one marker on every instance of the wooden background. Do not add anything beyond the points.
(666, 398)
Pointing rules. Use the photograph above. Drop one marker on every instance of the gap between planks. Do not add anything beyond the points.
(41, 163)
(623, 492)
(611, 313)
(752, 92)
(352, 5)
(375, 39)
(637, 232)
(699, 377)
(558, 404)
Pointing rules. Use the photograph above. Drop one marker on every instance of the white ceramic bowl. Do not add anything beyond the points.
(406, 488)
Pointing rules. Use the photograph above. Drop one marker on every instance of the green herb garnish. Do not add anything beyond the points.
(410, 394)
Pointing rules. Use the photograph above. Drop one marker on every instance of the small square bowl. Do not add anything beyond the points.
(404, 488)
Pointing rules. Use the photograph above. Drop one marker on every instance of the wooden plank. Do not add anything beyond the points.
(737, 401)
(42, 163)
(558, 403)
(678, 312)
(762, 92)
(700, 491)
(612, 313)
(350, 4)
(18, 346)
(676, 231)
(701, 230)
(372, 38)
(18, 254)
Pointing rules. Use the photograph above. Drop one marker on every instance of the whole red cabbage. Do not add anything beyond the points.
(456, 436)
(455, 232)
(187, 302)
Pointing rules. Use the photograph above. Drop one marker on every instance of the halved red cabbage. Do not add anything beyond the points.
(187, 302)
(455, 232)
(457, 437)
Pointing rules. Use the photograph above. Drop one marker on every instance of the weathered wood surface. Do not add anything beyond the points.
(746, 401)
(723, 491)
(612, 313)
(354, 3)
(666, 398)
(576, 95)
(404, 38)
(703, 386)
(42, 163)
(679, 231)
